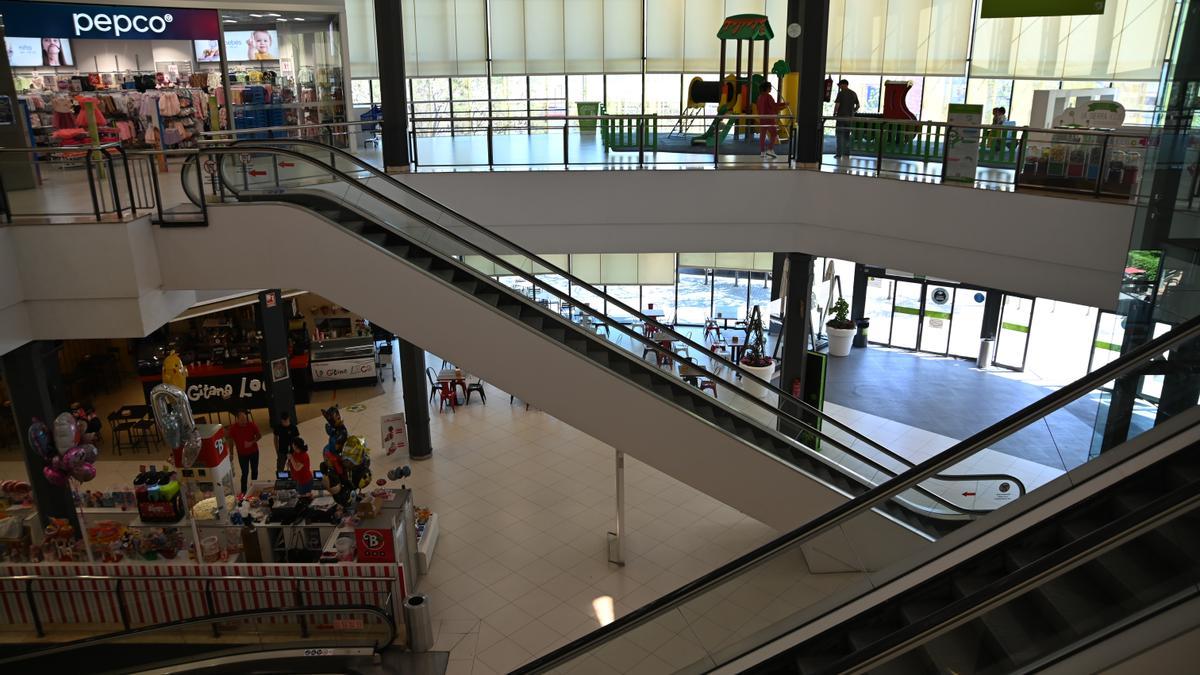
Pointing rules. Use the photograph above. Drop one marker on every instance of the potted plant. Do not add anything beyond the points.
(840, 329)
(754, 359)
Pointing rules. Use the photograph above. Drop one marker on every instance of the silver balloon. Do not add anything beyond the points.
(173, 412)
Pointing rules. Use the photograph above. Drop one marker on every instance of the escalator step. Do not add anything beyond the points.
(814, 664)
(1128, 502)
(490, 297)
(377, 239)
(1183, 474)
(970, 648)
(1024, 627)
(1084, 605)
(401, 250)
(355, 226)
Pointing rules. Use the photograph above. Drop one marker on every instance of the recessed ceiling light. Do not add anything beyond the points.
(230, 21)
(281, 19)
(273, 14)
(297, 18)
(257, 16)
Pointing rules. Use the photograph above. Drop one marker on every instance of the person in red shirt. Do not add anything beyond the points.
(299, 466)
(245, 436)
(765, 105)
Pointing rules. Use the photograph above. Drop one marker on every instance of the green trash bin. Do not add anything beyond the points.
(587, 109)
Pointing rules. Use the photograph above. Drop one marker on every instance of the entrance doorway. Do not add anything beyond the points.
(926, 315)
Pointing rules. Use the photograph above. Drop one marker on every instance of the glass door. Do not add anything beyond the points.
(936, 318)
(967, 322)
(879, 309)
(906, 314)
(1012, 341)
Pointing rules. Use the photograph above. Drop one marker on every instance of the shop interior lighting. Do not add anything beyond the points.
(281, 19)
(297, 18)
(257, 16)
(230, 21)
(274, 14)
(603, 606)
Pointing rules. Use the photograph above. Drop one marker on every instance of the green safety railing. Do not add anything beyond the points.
(620, 132)
(924, 142)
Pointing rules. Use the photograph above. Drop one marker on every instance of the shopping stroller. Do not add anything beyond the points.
(372, 115)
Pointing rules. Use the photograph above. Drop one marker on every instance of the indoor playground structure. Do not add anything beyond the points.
(736, 92)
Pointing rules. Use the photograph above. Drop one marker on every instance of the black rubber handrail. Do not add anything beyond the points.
(875, 496)
(230, 150)
(107, 638)
(713, 356)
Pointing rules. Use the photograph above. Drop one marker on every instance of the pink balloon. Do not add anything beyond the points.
(54, 476)
(73, 458)
(57, 464)
(84, 472)
(90, 453)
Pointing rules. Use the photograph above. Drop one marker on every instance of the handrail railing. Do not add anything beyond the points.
(636, 337)
(784, 397)
(843, 513)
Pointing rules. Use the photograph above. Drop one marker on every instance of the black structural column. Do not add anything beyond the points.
(393, 82)
(272, 316)
(1166, 172)
(858, 294)
(416, 399)
(806, 55)
(795, 285)
(35, 384)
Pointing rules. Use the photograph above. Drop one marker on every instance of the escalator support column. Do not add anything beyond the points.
(393, 83)
(416, 401)
(797, 290)
(36, 387)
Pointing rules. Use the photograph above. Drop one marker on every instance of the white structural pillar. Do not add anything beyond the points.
(616, 540)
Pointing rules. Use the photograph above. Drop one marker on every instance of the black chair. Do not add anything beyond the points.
(118, 426)
(477, 385)
(385, 358)
(434, 389)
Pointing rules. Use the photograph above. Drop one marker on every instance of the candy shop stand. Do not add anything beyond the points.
(181, 544)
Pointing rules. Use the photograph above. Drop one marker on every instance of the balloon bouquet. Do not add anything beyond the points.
(65, 452)
(345, 461)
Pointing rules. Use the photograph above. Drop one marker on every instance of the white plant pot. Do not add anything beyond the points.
(761, 372)
(840, 340)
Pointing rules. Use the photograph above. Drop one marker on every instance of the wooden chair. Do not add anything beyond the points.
(706, 383)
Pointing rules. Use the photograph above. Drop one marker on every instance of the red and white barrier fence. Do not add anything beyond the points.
(154, 594)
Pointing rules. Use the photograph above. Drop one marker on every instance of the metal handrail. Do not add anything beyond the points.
(638, 316)
(608, 321)
(1047, 569)
(239, 149)
(997, 127)
(842, 513)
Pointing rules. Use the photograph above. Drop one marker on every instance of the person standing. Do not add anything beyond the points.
(299, 466)
(844, 106)
(285, 432)
(767, 126)
(245, 436)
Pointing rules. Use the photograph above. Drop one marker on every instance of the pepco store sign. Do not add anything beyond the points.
(98, 22)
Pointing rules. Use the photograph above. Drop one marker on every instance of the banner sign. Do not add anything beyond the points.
(343, 369)
(962, 143)
(221, 392)
(1005, 9)
(393, 433)
(100, 22)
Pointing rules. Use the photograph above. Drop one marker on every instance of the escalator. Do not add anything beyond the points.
(767, 454)
(1094, 568)
(295, 640)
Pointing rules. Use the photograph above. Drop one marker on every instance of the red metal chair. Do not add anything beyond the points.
(709, 384)
(446, 395)
(712, 328)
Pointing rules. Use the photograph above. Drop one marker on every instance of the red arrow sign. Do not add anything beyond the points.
(968, 494)
(287, 165)
(258, 173)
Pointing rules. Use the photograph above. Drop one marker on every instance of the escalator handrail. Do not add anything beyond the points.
(384, 614)
(713, 356)
(228, 150)
(1043, 570)
(844, 512)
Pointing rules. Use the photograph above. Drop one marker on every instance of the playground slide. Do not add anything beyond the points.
(707, 137)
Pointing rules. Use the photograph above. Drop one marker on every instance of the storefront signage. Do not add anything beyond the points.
(375, 545)
(98, 22)
(344, 369)
(1003, 9)
(222, 392)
